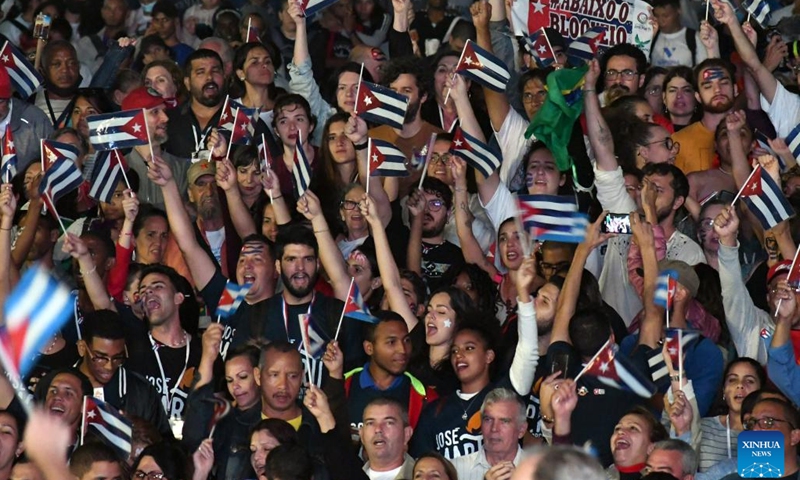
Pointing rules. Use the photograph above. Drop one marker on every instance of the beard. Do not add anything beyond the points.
(434, 230)
(544, 327)
(299, 292)
(208, 211)
(411, 112)
(719, 107)
(206, 100)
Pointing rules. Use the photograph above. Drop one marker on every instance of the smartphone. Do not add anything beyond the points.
(41, 28)
(617, 223)
(560, 364)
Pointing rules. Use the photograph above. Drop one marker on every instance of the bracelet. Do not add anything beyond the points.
(589, 90)
(94, 269)
(675, 378)
(547, 419)
(320, 231)
(361, 146)
(460, 189)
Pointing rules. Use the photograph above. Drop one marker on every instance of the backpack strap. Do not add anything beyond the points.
(99, 45)
(691, 43)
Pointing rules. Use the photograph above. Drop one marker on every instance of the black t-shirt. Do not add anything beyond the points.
(66, 357)
(238, 327)
(437, 259)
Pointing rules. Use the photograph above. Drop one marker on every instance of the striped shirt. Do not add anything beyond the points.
(714, 442)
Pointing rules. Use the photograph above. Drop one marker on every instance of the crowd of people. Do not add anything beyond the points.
(471, 364)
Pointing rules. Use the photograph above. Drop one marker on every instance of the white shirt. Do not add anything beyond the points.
(388, 475)
(784, 111)
(215, 240)
(474, 466)
(671, 50)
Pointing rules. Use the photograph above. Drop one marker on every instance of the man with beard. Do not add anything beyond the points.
(61, 71)
(406, 76)
(191, 123)
(255, 265)
(623, 67)
(138, 159)
(429, 254)
(715, 89)
(296, 260)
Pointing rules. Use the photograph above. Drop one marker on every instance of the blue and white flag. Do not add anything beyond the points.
(61, 178)
(584, 48)
(553, 217)
(477, 154)
(23, 75)
(301, 172)
(385, 160)
(106, 175)
(53, 151)
(665, 288)
(231, 298)
(483, 67)
(354, 306)
(8, 165)
(760, 11)
(107, 424)
(793, 141)
(381, 105)
(765, 199)
(612, 368)
(125, 129)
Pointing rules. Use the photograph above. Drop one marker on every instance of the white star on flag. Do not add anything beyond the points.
(468, 60)
(542, 49)
(137, 128)
(538, 6)
(672, 350)
(457, 142)
(367, 100)
(10, 145)
(5, 58)
(604, 367)
(90, 414)
(224, 116)
(375, 158)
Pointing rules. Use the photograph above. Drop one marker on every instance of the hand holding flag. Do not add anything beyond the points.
(231, 298)
(765, 199)
(8, 165)
(381, 105)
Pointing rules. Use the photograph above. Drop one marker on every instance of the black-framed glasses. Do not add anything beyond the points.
(766, 423)
(553, 267)
(443, 157)
(435, 205)
(529, 97)
(140, 475)
(100, 359)
(349, 204)
(626, 74)
(668, 142)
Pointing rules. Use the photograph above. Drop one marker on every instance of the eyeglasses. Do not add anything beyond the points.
(668, 142)
(100, 359)
(444, 158)
(626, 74)
(654, 91)
(531, 97)
(766, 423)
(149, 476)
(553, 267)
(349, 204)
(435, 205)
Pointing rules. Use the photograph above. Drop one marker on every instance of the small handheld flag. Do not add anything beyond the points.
(301, 172)
(312, 7)
(61, 178)
(760, 10)
(611, 367)
(381, 105)
(125, 129)
(25, 78)
(231, 298)
(793, 141)
(552, 217)
(53, 151)
(585, 47)
(477, 154)
(107, 424)
(665, 289)
(765, 199)
(539, 46)
(386, 160)
(222, 407)
(483, 67)
(8, 166)
(677, 341)
(107, 173)
(529, 15)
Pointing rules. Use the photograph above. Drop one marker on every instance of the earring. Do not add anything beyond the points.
(241, 78)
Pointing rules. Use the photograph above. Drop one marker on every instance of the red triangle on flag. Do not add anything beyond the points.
(753, 186)
(136, 127)
(366, 99)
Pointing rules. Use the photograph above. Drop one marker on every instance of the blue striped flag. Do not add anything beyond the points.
(36, 309)
(107, 424)
(124, 129)
(483, 67)
(106, 174)
(231, 298)
(612, 368)
(760, 11)
(23, 75)
(476, 153)
(765, 199)
(553, 217)
(665, 288)
(61, 178)
(677, 340)
(381, 105)
(584, 48)
(311, 7)
(301, 172)
(793, 141)
(8, 165)
(354, 306)
(386, 160)
(539, 46)
(53, 151)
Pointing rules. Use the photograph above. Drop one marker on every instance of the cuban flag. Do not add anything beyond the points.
(760, 10)
(539, 46)
(793, 141)
(231, 298)
(228, 115)
(477, 154)
(385, 160)
(36, 309)
(381, 105)
(529, 15)
(107, 424)
(553, 217)
(264, 154)
(301, 172)
(54, 151)
(665, 288)
(8, 165)
(765, 199)
(355, 308)
(243, 125)
(312, 7)
(24, 77)
(106, 174)
(124, 129)
(313, 342)
(613, 369)
(584, 48)
(678, 340)
(252, 33)
(483, 67)
(61, 178)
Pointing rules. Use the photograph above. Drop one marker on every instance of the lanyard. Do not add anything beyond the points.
(286, 314)
(441, 120)
(166, 396)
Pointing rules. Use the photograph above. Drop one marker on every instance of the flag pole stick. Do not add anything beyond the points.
(463, 50)
(41, 154)
(523, 236)
(55, 212)
(745, 185)
(336, 337)
(233, 132)
(590, 362)
(358, 88)
(83, 419)
(548, 44)
(680, 359)
(428, 155)
(369, 162)
(306, 345)
(149, 138)
(266, 163)
(122, 169)
(791, 269)
(748, 17)
(22, 393)
(667, 310)
(247, 39)
(708, 4)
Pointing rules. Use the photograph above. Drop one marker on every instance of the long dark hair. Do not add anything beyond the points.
(236, 87)
(170, 457)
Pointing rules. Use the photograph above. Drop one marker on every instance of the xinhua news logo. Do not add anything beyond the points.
(760, 454)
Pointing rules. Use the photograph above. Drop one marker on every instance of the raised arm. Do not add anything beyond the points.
(29, 225)
(200, 265)
(98, 294)
(473, 253)
(497, 105)
(8, 205)
(710, 38)
(526, 355)
(272, 187)
(390, 274)
(572, 284)
(329, 253)
(416, 210)
(240, 216)
(356, 132)
(599, 134)
(734, 122)
(650, 330)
